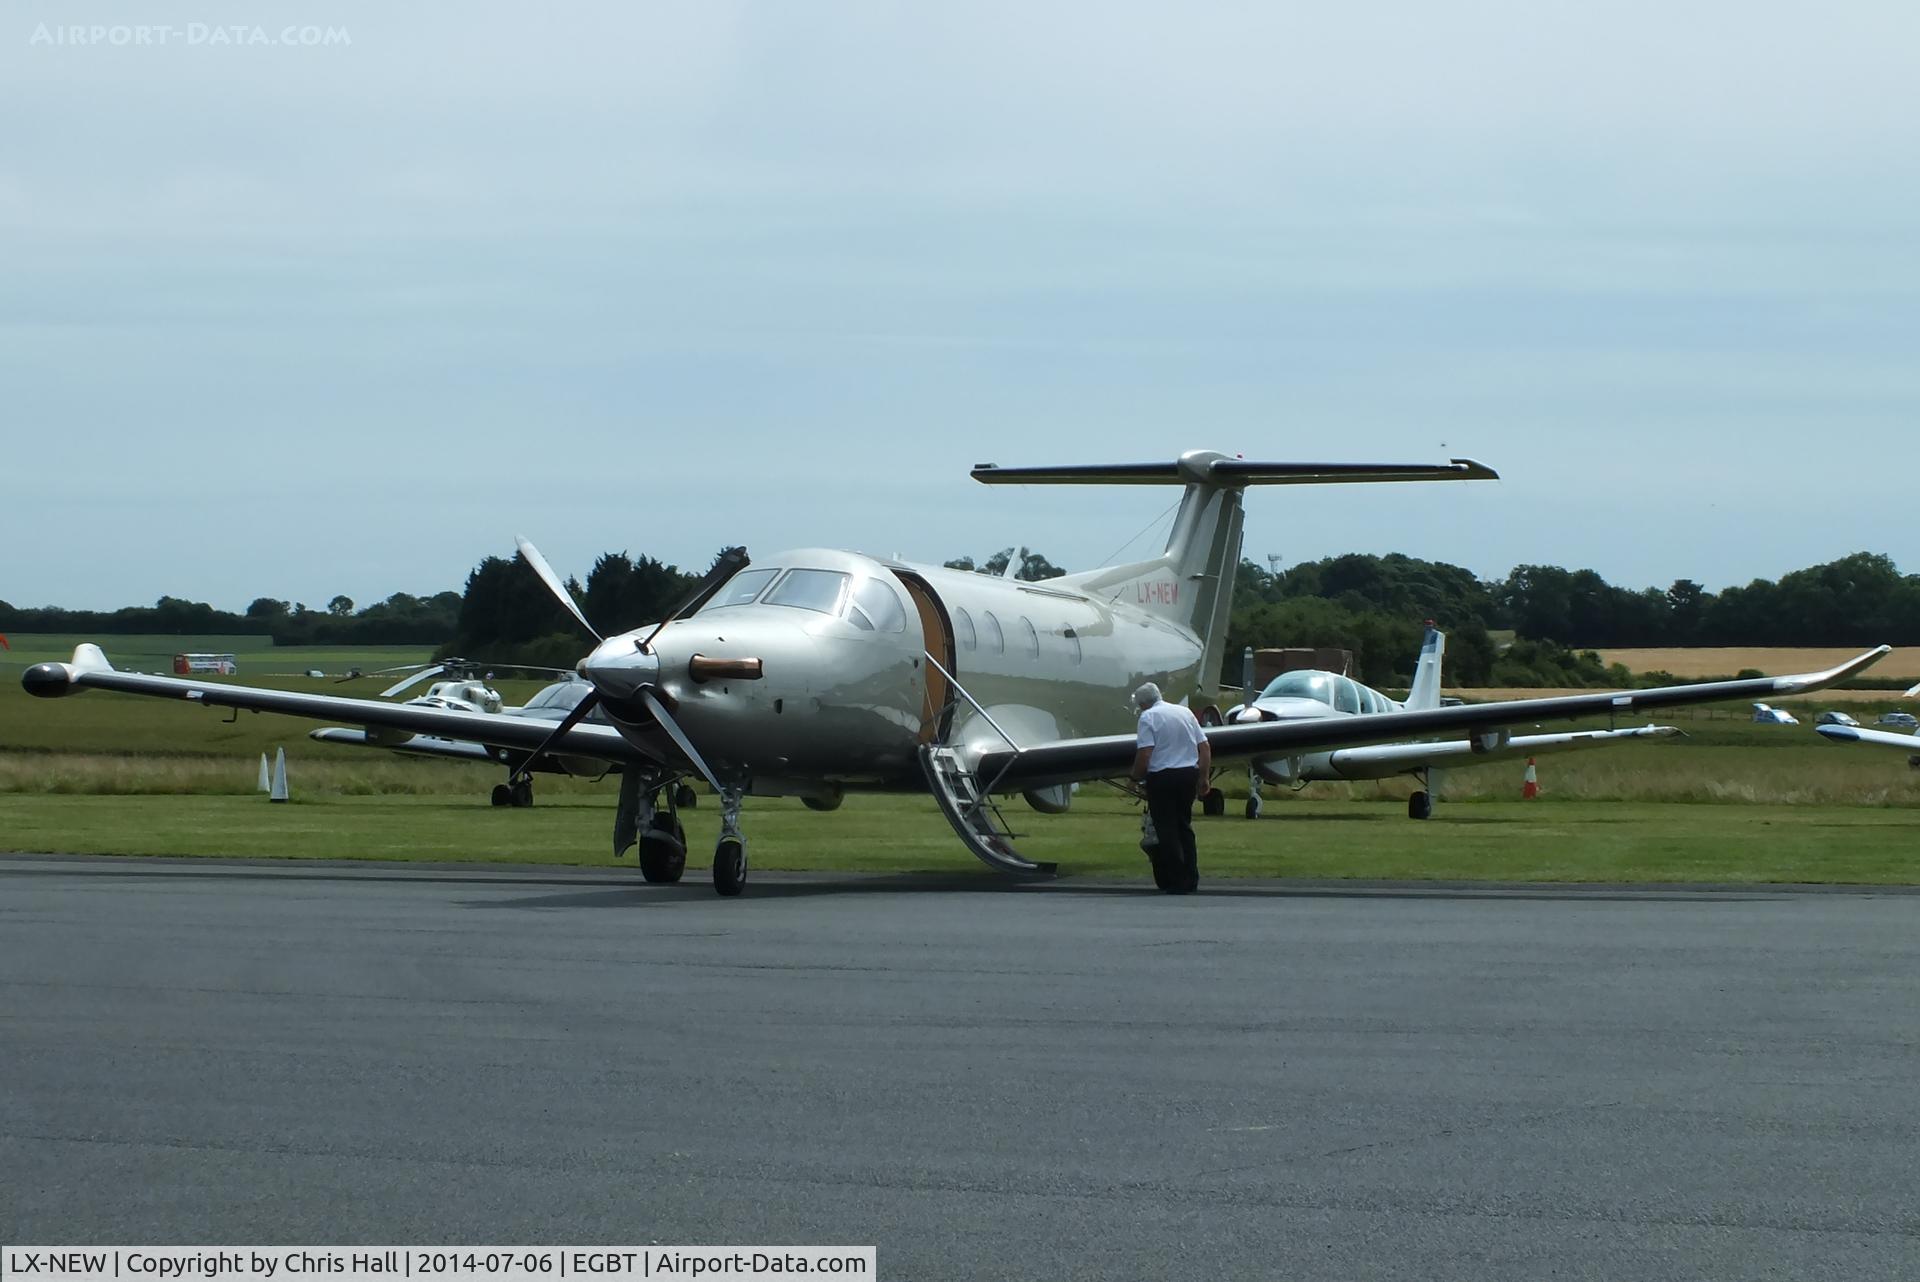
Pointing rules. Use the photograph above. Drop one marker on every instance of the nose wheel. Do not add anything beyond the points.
(730, 853)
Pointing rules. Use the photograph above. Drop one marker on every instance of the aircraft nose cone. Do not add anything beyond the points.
(619, 668)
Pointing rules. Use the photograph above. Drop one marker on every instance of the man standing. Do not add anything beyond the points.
(1174, 761)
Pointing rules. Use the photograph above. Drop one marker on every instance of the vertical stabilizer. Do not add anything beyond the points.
(1425, 694)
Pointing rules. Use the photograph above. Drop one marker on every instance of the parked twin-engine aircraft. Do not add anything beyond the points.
(818, 671)
(1313, 695)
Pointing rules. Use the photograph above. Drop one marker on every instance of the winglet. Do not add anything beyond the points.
(1832, 676)
(88, 657)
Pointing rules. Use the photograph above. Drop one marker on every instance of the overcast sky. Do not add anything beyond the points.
(300, 319)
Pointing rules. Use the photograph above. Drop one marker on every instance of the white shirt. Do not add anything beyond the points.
(1174, 735)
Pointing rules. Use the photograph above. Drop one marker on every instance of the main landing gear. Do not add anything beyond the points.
(730, 853)
(517, 792)
(1420, 804)
(648, 812)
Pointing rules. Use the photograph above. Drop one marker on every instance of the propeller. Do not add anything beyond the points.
(730, 562)
(573, 718)
(678, 735)
(554, 585)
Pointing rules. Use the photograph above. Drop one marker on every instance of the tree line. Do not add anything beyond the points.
(1375, 606)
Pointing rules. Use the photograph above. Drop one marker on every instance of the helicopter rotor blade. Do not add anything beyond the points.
(422, 675)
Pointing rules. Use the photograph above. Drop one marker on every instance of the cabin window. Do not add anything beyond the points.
(990, 627)
(1346, 695)
(963, 628)
(741, 589)
(875, 608)
(821, 590)
(1033, 637)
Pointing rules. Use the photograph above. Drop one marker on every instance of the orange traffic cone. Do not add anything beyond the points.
(1531, 787)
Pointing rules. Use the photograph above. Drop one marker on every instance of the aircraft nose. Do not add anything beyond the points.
(619, 668)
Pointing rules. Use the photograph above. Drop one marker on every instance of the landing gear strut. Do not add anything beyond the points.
(1253, 793)
(1420, 804)
(730, 854)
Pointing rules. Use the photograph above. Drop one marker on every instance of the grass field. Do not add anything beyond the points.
(1502, 841)
(1733, 801)
(255, 655)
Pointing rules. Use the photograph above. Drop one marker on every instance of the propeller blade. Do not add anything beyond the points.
(415, 679)
(731, 562)
(553, 582)
(678, 735)
(568, 722)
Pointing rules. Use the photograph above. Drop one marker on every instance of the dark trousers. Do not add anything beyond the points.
(1170, 802)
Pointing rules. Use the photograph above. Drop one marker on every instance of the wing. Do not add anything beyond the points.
(1396, 757)
(1110, 755)
(89, 670)
(1879, 738)
(420, 745)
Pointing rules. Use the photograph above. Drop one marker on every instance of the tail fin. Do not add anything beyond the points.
(1192, 581)
(1425, 694)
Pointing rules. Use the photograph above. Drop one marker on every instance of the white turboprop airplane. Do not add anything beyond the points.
(1311, 695)
(1907, 743)
(816, 672)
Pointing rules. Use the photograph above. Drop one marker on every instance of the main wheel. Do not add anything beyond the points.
(502, 795)
(522, 793)
(685, 798)
(1214, 803)
(730, 866)
(1420, 806)
(663, 851)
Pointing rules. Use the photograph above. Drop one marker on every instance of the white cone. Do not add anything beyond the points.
(279, 792)
(266, 780)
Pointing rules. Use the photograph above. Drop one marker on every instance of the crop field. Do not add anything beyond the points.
(1690, 662)
(1732, 801)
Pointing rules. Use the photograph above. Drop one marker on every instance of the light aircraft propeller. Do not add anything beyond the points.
(647, 691)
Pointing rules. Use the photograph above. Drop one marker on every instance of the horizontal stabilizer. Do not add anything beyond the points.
(1207, 468)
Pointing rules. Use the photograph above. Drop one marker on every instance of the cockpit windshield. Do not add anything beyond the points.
(1317, 686)
(741, 589)
(822, 590)
(872, 606)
